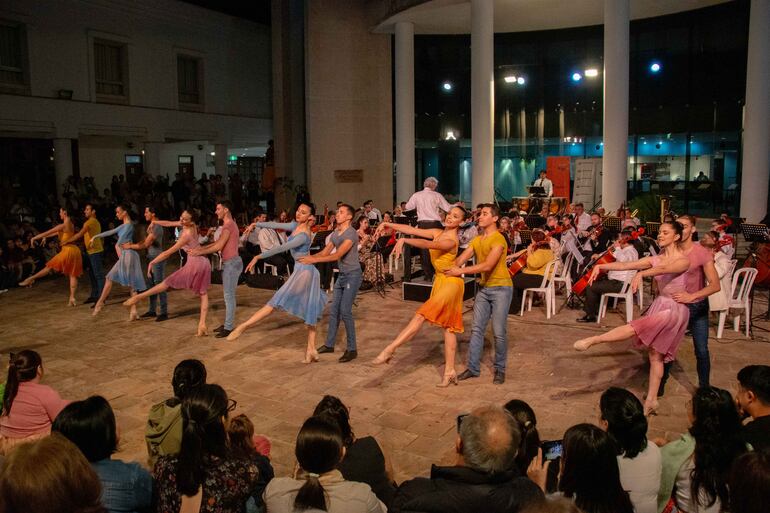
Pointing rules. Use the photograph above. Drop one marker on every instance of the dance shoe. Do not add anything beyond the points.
(466, 374)
(224, 333)
(219, 328)
(325, 349)
(384, 357)
(347, 356)
(449, 378)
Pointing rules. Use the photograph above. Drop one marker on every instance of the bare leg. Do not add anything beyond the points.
(45, 271)
(254, 319)
(105, 293)
(450, 349)
(204, 311)
(311, 355)
(132, 315)
(405, 336)
(73, 289)
(656, 374)
(135, 298)
(614, 335)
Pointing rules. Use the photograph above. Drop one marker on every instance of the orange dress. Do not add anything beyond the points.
(445, 306)
(68, 260)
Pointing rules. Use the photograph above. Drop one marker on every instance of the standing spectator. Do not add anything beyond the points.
(753, 400)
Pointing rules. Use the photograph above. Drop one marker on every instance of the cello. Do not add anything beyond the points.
(606, 258)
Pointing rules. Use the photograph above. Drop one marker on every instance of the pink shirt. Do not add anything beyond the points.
(33, 410)
(694, 277)
(231, 246)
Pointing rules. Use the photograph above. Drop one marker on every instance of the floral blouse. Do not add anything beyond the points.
(226, 487)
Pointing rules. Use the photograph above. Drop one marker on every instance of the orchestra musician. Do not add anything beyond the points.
(581, 220)
(539, 254)
(623, 251)
(545, 183)
(596, 238)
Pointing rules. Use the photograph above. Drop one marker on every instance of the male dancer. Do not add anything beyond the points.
(232, 265)
(345, 239)
(696, 298)
(93, 252)
(153, 243)
(494, 298)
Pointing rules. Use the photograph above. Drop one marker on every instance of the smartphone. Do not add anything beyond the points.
(552, 449)
(460, 420)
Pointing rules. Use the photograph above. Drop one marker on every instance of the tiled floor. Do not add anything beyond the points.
(131, 364)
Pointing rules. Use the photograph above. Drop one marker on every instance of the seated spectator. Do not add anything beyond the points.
(639, 461)
(204, 477)
(163, 432)
(317, 484)
(484, 478)
(49, 476)
(29, 407)
(524, 416)
(364, 460)
(753, 400)
(243, 444)
(749, 483)
(695, 467)
(90, 425)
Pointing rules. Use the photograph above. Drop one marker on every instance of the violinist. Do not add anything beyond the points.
(505, 228)
(623, 251)
(539, 254)
(596, 238)
(514, 231)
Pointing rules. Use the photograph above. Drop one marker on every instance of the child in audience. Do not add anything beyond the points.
(244, 444)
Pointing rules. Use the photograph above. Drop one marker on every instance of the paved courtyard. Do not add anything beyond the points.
(130, 363)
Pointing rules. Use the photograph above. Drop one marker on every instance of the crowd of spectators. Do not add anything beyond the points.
(58, 457)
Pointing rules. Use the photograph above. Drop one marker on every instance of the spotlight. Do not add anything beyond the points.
(446, 86)
(577, 77)
(520, 80)
(592, 72)
(450, 136)
(655, 67)
(510, 79)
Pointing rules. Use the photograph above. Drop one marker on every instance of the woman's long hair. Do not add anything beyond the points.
(22, 367)
(718, 443)
(524, 416)
(626, 423)
(203, 434)
(319, 450)
(189, 376)
(590, 475)
(333, 407)
(240, 433)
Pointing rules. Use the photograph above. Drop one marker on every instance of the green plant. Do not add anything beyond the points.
(648, 205)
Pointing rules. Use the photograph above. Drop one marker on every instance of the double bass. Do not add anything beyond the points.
(759, 259)
(606, 258)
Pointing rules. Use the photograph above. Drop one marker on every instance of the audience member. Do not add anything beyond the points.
(553, 504)
(317, 484)
(749, 483)
(484, 478)
(90, 425)
(525, 418)
(753, 400)
(243, 445)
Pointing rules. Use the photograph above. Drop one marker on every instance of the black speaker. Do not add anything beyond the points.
(420, 290)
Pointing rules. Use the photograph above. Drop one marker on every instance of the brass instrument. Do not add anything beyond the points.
(665, 205)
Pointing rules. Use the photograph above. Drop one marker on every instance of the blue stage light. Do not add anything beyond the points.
(577, 77)
(655, 67)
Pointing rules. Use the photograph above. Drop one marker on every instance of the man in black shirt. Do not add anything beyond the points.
(753, 400)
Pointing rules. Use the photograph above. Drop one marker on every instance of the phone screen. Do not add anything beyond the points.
(552, 449)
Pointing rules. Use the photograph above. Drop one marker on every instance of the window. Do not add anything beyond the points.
(12, 55)
(110, 70)
(189, 80)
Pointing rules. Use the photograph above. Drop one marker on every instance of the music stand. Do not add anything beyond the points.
(652, 229)
(534, 221)
(612, 223)
(755, 232)
(536, 191)
(526, 237)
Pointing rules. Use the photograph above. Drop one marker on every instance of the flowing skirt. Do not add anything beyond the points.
(195, 275)
(301, 295)
(128, 270)
(662, 327)
(444, 308)
(67, 261)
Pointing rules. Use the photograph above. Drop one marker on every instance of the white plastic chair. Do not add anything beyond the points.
(393, 262)
(272, 269)
(546, 287)
(564, 276)
(625, 293)
(739, 299)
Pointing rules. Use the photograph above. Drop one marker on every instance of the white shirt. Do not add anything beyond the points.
(640, 477)
(428, 202)
(546, 184)
(627, 254)
(268, 239)
(582, 222)
(252, 237)
(682, 493)
(374, 215)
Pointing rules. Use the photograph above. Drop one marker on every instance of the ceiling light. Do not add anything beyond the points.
(592, 72)
(655, 67)
(520, 80)
(577, 77)
(446, 86)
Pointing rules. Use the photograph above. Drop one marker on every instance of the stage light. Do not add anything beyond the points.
(592, 72)
(446, 86)
(655, 67)
(510, 79)
(520, 80)
(450, 136)
(577, 77)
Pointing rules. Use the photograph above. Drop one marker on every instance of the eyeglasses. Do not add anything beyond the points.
(231, 404)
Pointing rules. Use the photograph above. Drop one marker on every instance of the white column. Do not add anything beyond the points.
(482, 101)
(62, 161)
(616, 56)
(755, 167)
(404, 111)
(220, 160)
(561, 131)
(152, 158)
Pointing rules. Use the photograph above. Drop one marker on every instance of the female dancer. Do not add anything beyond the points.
(661, 328)
(195, 274)
(128, 269)
(68, 261)
(301, 295)
(444, 308)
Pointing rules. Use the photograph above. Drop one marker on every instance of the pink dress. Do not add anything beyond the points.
(195, 274)
(663, 325)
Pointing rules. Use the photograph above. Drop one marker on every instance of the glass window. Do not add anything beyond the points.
(188, 79)
(11, 54)
(110, 68)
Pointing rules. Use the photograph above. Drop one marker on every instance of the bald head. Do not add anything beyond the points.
(490, 439)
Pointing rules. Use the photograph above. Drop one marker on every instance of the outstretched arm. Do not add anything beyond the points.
(409, 230)
(168, 224)
(289, 227)
(442, 244)
(108, 232)
(79, 235)
(286, 246)
(53, 231)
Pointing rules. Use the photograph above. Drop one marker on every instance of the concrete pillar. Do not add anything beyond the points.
(62, 161)
(755, 167)
(616, 57)
(482, 101)
(220, 160)
(523, 132)
(561, 131)
(152, 158)
(405, 173)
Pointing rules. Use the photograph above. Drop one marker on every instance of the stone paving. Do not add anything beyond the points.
(130, 363)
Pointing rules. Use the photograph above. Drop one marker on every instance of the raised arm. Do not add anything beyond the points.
(442, 244)
(409, 230)
(108, 232)
(168, 224)
(53, 231)
(289, 227)
(634, 265)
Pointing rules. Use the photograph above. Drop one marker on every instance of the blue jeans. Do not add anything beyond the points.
(96, 274)
(231, 271)
(699, 326)
(491, 302)
(345, 290)
(158, 273)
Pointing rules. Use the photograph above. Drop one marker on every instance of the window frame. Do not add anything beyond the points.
(198, 57)
(124, 65)
(24, 86)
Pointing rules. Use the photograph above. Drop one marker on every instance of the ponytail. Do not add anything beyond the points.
(311, 495)
(319, 449)
(22, 367)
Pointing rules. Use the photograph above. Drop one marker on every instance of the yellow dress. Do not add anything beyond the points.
(68, 260)
(445, 306)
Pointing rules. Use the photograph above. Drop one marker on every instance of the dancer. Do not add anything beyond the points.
(494, 297)
(94, 253)
(68, 261)
(232, 265)
(662, 327)
(153, 243)
(444, 308)
(128, 269)
(301, 295)
(195, 274)
(345, 240)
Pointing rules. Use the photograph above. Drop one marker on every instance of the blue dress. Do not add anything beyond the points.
(128, 269)
(301, 295)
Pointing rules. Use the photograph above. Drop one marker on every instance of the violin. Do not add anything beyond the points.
(725, 225)
(606, 258)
